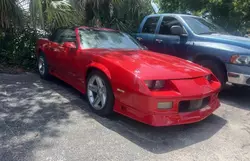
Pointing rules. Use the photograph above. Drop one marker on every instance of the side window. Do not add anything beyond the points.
(166, 25)
(68, 35)
(150, 25)
(64, 35)
(55, 35)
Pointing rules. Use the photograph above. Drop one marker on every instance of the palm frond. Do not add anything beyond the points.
(61, 14)
(10, 13)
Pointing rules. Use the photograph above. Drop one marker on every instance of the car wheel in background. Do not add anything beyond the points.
(43, 66)
(216, 68)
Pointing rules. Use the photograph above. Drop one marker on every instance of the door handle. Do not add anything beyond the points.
(158, 40)
(139, 38)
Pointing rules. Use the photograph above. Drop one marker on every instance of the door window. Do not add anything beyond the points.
(64, 35)
(55, 36)
(166, 25)
(150, 25)
(68, 35)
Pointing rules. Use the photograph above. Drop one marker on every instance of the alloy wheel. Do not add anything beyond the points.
(41, 66)
(97, 92)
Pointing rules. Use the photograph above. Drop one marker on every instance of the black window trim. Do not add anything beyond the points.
(161, 19)
(145, 21)
(61, 30)
(159, 24)
(68, 39)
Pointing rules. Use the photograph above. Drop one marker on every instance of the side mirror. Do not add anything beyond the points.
(144, 47)
(177, 30)
(70, 45)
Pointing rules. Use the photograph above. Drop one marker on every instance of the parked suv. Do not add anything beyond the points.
(200, 41)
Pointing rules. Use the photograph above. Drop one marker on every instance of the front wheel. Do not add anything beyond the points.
(99, 93)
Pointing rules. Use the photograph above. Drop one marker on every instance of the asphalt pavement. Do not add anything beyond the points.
(50, 121)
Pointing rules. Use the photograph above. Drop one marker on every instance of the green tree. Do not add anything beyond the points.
(52, 14)
(10, 13)
(19, 24)
(233, 15)
(119, 14)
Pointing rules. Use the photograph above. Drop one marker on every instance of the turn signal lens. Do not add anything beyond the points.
(165, 105)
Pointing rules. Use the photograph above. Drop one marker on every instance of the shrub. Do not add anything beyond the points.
(17, 47)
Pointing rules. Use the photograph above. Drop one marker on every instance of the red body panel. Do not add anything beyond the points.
(127, 70)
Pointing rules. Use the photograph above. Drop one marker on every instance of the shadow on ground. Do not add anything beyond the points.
(31, 110)
(156, 140)
(236, 96)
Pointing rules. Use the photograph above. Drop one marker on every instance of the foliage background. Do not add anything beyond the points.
(22, 22)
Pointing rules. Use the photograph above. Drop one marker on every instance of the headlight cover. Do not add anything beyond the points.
(155, 84)
(240, 59)
(209, 77)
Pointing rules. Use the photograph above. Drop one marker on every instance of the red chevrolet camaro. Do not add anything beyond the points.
(117, 74)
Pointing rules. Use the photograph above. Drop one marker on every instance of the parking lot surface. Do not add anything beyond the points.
(50, 121)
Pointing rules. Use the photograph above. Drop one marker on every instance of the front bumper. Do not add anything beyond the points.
(185, 117)
(145, 108)
(238, 74)
(169, 117)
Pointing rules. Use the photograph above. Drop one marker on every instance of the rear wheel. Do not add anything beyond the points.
(43, 67)
(99, 93)
(216, 68)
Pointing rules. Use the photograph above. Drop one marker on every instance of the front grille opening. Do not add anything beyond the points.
(193, 105)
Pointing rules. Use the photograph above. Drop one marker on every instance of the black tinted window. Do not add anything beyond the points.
(55, 35)
(150, 25)
(166, 25)
(64, 35)
(68, 35)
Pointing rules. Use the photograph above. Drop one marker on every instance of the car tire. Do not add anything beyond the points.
(105, 106)
(217, 70)
(43, 68)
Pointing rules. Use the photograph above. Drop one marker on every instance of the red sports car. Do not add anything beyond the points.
(117, 74)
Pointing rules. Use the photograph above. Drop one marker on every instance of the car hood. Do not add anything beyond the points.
(229, 39)
(149, 65)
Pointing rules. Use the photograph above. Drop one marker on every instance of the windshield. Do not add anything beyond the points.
(201, 26)
(107, 40)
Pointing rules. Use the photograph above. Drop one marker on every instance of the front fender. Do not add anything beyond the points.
(218, 50)
(101, 67)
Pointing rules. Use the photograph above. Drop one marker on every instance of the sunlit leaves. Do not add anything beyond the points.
(233, 15)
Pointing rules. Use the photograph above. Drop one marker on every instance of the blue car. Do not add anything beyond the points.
(200, 41)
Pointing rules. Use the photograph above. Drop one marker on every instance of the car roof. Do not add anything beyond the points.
(172, 14)
(96, 28)
(88, 28)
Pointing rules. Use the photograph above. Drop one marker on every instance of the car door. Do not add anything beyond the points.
(64, 55)
(51, 49)
(168, 43)
(147, 33)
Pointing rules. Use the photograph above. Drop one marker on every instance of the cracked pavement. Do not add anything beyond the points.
(50, 121)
